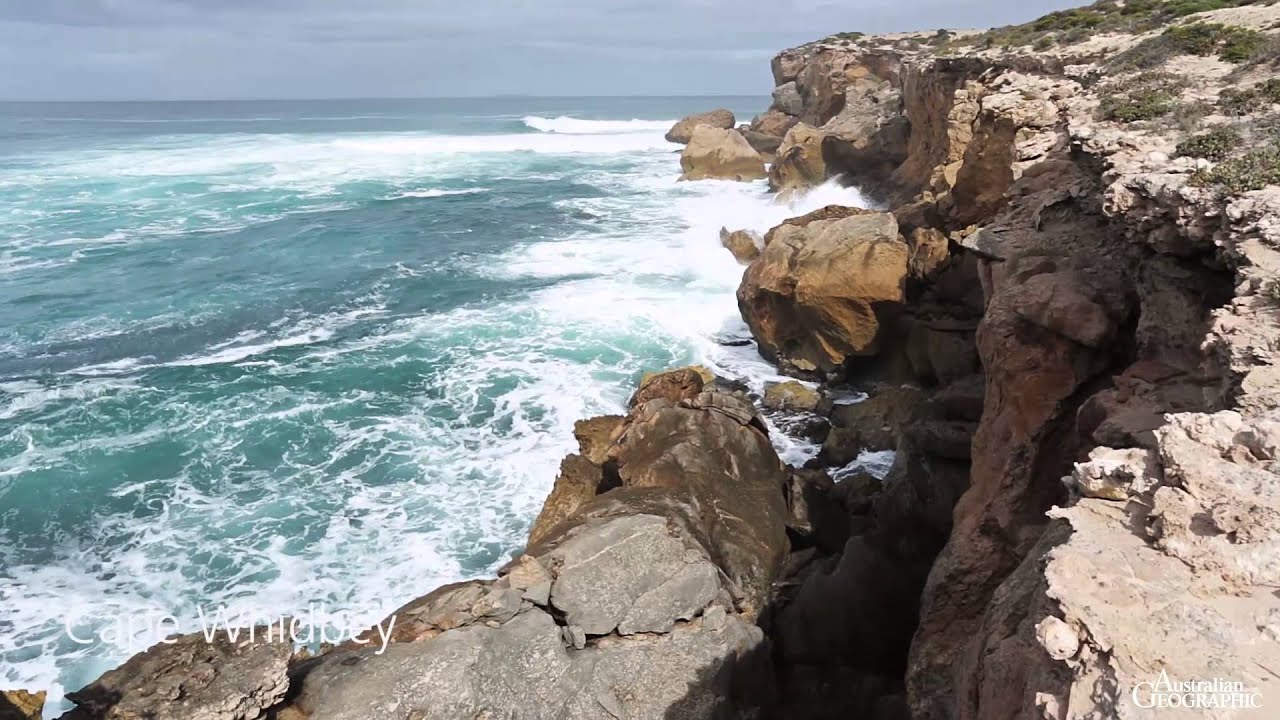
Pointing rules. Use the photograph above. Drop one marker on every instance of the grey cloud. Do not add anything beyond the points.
(144, 49)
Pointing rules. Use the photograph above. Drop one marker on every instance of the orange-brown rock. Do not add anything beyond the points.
(774, 123)
(578, 483)
(814, 297)
(595, 435)
(682, 131)
(674, 385)
(713, 153)
(21, 705)
(828, 212)
(799, 164)
(744, 244)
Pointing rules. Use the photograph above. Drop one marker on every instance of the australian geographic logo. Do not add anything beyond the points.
(1216, 693)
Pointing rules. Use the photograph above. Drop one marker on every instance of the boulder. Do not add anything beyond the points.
(713, 153)
(815, 296)
(799, 164)
(786, 99)
(791, 396)
(774, 123)
(787, 66)
(828, 212)
(766, 145)
(682, 131)
(744, 244)
(21, 705)
(193, 679)
(672, 385)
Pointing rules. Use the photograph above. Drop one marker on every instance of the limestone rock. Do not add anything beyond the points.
(929, 253)
(744, 244)
(791, 396)
(713, 153)
(813, 298)
(828, 212)
(672, 385)
(193, 679)
(774, 123)
(595, 436)
(578, 483)
(786, 99)
(21, 705)
(799, 164)
(682, 132)
(766, 145)
(631, 575)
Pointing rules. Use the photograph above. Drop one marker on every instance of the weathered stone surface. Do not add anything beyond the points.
(929, 252)
(744, 244)
(578, 483)
(799, 164)
(21, 705)
(791, 396)
(774, 124)
(766, 145)
(631, 575)
(192, 679)
(813, 298)
(827, 212)
(595, 435)
(786, 99)
(682, 131)
(713, 153)
(672, 385)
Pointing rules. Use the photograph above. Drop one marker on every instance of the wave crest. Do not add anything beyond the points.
(565, 125)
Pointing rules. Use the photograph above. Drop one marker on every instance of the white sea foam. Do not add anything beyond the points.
(437, 192)
(575, 126)
(460, 465)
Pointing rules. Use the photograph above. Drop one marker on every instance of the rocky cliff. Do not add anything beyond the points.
(1107, 177)
(1064, 319)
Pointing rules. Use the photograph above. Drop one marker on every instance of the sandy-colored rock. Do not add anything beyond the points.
(744, 244)
(828, 212)
(774, 123)
(798, 164)
(713, 153)
(21, 705)
(595, 436)
(578, 483)
(791, 396)
(930, 251)
(672, 385)
(812, 298)
(682, 131)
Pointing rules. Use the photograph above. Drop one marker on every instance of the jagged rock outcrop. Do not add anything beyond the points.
(682, 131)
(744, 244)
(639, 601)
(816, 296)
(21, 705)
(798, 163)
(791, 396)
(713, 153)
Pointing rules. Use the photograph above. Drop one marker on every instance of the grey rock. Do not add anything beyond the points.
(786, 99)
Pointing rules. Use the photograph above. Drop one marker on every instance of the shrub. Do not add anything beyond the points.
(1252, 171)
(1217, 144)
(1232, 43)
(1142, 97)
(1240, 102)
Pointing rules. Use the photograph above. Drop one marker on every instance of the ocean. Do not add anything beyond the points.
(263, 355)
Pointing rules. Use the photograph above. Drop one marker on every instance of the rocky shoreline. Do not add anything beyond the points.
(1065, 323)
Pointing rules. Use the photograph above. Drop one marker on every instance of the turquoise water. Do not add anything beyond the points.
(269, 354)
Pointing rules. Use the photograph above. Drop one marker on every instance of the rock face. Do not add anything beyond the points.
(744, 244)
(798, 164)
(815, 296)
(791, 396)
(21, 705)
(227, 679)
(720, 154)
(682, 132)
(638, 599)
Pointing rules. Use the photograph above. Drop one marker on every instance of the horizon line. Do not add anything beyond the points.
(503, 96)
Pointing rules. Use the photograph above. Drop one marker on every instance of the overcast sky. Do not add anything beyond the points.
(197, 49)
